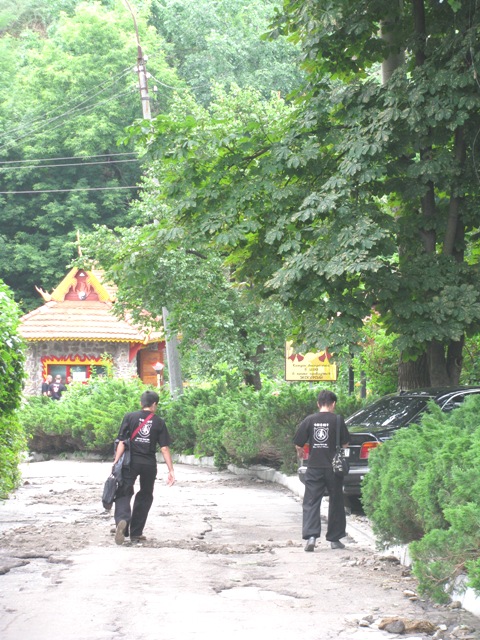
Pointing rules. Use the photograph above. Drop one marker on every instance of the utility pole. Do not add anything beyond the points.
(171, 342)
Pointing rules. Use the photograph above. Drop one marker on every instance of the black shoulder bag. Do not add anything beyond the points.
(114, 480)
(339, 463)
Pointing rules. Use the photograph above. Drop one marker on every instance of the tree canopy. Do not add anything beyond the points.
(222, 313)
(68, 90)
(65, 101)
(361, 196)
(214, 42)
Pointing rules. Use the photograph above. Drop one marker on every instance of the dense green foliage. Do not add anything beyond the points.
(12, 439)
(241, 425)
(173, 265)
(220, 42)
(87, 418)
(360, 196)
(68, 90)
(423, 488)
(377, 359)
(231, 422)
(66, 96)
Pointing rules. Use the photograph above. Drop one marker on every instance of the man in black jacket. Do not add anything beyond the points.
(320, 430)
(143, 465)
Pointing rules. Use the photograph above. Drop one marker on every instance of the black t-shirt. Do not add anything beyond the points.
(153, 432)
(320, 432)
(56, 389)
(45, 387)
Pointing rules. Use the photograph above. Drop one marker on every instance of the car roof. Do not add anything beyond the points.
(439, 393)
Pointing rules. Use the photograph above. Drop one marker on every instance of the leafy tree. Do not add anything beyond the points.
(12, 438)
(68, 93)
(35, 15)
(363, 195)
(219, 319)
(399, 206)
(377, 358)
(219, 42)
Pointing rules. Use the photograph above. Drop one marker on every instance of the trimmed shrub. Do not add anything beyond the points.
(423, 488)
(221, 419)
(242, 425)
(87, 417)
(12, 440)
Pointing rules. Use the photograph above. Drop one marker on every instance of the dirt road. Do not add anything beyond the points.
(223, 560)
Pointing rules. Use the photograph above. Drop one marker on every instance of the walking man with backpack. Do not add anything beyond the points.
(141, 431)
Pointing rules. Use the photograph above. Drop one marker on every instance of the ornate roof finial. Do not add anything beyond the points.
(46, 296)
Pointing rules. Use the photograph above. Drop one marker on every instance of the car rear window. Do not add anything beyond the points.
(395, 411)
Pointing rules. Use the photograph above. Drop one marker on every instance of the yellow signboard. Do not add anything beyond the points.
(308, 367)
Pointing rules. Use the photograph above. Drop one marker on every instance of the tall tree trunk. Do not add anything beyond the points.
(252, 379)
(413, 374)
(251, 376)
(437, 364)
(455, 360)
(453, 240)
(388, 33)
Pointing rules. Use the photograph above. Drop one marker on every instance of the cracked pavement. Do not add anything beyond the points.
(223, 558)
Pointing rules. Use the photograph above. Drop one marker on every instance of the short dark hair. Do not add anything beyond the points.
(326, 398)
(148, 398)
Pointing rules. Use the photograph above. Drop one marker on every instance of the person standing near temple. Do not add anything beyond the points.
(46, 385)
(56, 388)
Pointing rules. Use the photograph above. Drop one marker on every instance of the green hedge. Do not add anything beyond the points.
(12, 440)
(423, 488)
(241, 425)
(87, 418)
(221, 419)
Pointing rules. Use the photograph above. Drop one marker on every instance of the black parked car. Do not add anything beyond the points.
(376, 423)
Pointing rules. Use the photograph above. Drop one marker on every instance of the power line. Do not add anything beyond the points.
(69, 164)
(169, 86)
(99, 155)
(66, 113)
(68, 190)
(44, 116)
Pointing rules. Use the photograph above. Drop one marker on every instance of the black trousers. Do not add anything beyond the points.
(137, 517)
(317, 481)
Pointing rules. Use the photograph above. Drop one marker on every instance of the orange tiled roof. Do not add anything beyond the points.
(75, 319)
(82, 320)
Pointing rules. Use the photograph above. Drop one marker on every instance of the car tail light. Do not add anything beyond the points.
(366, 448)
(306, 451)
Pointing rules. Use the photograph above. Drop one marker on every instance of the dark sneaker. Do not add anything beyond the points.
(120, 532)
(138, 538)
(310, 546)
(336, 544)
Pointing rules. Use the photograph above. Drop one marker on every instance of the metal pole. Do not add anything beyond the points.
(173, 359)
(171, 343)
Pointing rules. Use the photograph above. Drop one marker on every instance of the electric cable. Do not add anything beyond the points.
(99, 155)
(69, 190)
(69, 164)
(70, 111)
(43, 117)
